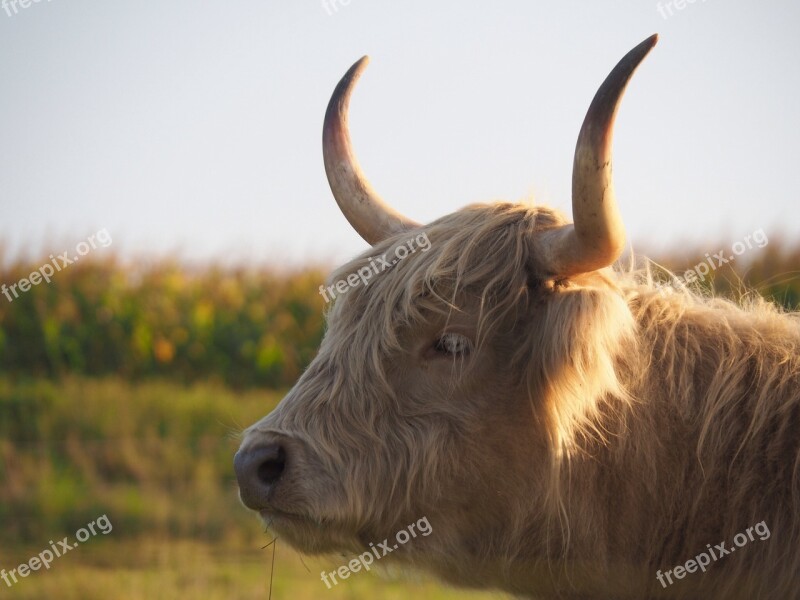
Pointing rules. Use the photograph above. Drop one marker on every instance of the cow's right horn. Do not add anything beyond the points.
(373, 219)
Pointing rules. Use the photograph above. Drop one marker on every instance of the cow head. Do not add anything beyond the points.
(449, 381)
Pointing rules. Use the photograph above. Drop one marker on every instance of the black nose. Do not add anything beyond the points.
(258, 469)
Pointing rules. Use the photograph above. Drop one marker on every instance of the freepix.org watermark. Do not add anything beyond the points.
(56, 264)
(714, 261)
(665, 10)
(331, 6)
(377, 552)
(376, 265)
(15, 5)
(48, 555)
(702, 560)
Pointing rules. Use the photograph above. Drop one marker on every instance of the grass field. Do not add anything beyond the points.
(156, 458)
(170, 569)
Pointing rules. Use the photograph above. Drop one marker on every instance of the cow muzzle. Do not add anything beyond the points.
(259, 470)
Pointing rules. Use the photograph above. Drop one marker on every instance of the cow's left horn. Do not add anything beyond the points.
(372, 218)
(597, 237)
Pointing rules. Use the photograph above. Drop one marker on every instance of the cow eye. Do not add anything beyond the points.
(453, 344)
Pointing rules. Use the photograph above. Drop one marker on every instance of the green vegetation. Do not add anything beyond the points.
(240, 327)
(772, 271)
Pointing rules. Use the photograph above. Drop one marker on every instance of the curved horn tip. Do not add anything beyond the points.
(651, 41)
(600, 116)
(360, 64)
(347, 83)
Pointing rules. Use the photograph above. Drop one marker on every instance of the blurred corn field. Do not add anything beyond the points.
(241, 327)
(236, 326)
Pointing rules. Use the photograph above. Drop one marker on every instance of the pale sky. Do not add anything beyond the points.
(195, 127)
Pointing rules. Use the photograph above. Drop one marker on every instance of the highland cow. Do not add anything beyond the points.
(568, 429)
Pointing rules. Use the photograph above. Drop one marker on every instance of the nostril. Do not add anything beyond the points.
(258, 471)
(272, 465)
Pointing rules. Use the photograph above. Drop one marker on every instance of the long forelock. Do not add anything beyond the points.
(480, 252)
